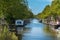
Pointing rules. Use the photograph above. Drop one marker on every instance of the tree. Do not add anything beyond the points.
(15, 9)
(51, 10)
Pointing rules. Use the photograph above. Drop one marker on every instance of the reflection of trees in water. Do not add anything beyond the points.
(49, 31)
(5, 34)
(25, 29)
(19, 37)
(52, 33)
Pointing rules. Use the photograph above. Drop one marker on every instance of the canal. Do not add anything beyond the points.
(35, 31)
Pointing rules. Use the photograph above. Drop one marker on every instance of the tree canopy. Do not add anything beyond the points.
(14, 9)
(50, 10)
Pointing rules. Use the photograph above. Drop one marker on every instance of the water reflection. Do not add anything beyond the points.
(36, 31)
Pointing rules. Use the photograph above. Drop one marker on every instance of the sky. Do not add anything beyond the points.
(37, 6)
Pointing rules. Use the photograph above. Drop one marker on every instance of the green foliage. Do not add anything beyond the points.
(45, 13)
(51, 10)
(11, 10)
(14, 9)
(6, 35)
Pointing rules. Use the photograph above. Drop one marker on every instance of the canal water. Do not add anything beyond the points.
(35, 31)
